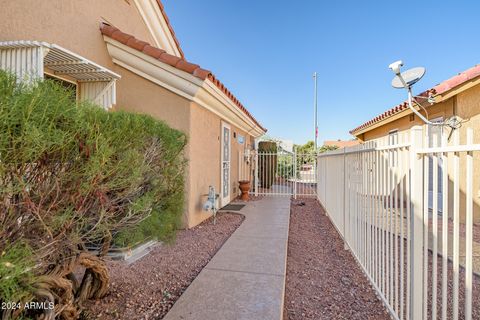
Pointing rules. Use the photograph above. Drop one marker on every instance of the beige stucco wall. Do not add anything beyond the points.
(466, 105)
(136, 94)
(468, 108)
(238, 162)
(71, 24)
(205, 160)
(74, 25)
(444, 109)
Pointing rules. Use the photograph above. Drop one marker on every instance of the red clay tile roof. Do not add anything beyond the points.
(441, 88)
(173, 61)
(162, 9)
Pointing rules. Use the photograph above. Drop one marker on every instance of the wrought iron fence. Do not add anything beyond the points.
(281, 173)
(406, 211)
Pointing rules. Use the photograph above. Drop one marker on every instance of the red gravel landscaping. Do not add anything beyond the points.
(148, 288)
(461, 228)
(323, 280)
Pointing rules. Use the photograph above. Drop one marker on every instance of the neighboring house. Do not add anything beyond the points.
(340, 144)
(123, 55)
(459, 96)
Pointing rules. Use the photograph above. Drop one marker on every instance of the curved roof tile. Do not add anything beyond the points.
(440, 88)
(173, 61)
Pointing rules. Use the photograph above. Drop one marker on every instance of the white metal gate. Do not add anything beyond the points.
(419, 255)
(284, 173)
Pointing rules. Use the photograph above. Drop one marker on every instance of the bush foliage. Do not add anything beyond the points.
(72, 175)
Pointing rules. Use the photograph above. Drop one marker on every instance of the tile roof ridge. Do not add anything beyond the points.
(444, 86)
(174, 61)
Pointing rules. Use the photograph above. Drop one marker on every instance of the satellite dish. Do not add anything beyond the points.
(410, 77)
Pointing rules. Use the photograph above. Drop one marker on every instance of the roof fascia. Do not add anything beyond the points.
(202, 92)
(158, 26)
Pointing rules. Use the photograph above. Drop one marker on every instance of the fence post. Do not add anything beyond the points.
(256, 172)
(325, 184)
(345, 244)
(416, 224)
(295, 173)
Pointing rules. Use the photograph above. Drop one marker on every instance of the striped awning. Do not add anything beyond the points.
(60, 60)
(57, 59)
(29, 59)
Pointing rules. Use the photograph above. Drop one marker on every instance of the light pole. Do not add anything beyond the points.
(315, 110)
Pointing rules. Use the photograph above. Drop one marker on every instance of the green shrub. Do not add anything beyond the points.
(267, 163)
(15, 275)
(74, 174)
(285, 166)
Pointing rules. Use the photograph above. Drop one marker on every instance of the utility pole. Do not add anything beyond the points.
(315, 111)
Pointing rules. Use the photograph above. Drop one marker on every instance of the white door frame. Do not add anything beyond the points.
(225, 198)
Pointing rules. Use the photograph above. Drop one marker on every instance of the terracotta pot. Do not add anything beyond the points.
(244, 187)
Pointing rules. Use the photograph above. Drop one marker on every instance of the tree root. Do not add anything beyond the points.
(71, 276)
(61, 289)
(95, 280)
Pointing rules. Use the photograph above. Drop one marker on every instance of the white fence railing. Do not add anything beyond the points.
(280, 173)
(406, 211)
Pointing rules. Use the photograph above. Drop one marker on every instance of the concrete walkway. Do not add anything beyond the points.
(246, 278)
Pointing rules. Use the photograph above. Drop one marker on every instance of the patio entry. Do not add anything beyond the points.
(280, 173)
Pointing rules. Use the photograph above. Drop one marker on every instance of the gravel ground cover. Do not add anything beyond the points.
(394, 297)
(324, 280)
(461, 228)
(148, 288)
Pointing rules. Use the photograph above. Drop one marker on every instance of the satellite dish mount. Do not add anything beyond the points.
(405, 80)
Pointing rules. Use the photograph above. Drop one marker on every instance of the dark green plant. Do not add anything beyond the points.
(327, 148)
(267, 163)
(74, 174)
(16, 264)
(285, 166)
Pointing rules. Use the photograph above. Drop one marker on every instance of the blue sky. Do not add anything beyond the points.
(266, 51)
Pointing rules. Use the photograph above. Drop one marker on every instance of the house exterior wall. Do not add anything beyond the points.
(238, 162)
(443, 109)
(205, 160)
(136, 94)
(465, 105)
(74, 25)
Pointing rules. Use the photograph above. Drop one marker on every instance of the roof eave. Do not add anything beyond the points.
(441, 92)
(401, 114)
(157, 22)
(193, 88)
